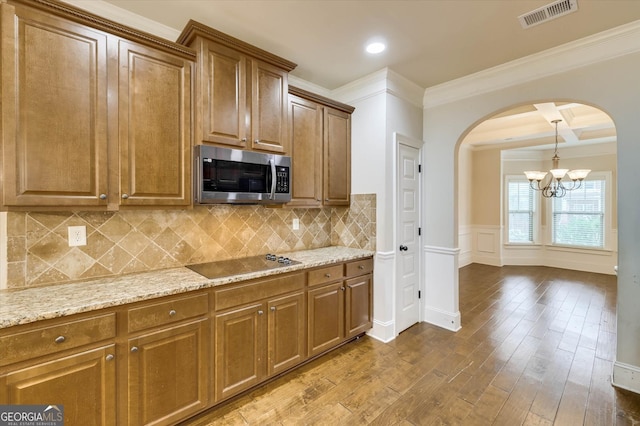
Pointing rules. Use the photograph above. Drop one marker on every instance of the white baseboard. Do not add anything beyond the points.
(626, 376)
(446, 320)
(382, 331)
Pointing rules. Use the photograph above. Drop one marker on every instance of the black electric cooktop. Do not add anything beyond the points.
(245, 265)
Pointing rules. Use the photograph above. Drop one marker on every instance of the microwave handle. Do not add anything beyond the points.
(273, 179)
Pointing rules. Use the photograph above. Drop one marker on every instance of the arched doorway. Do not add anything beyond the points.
(502, 222)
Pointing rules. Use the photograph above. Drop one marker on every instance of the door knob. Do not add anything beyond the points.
(404, 248)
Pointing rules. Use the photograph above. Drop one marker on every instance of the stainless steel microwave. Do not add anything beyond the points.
(234, 176)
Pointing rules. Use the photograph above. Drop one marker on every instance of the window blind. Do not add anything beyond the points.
(521, 210)
(578, 217)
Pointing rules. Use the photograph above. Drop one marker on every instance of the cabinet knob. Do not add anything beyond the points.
(134, 349)
(360, 266)
(257, 141)
(260, 312)
(273, 309)
(243, 139)
(59, 339)
(172, 313)
(342, 288)
(125, 196)
(109, 357)
(103, 196)
(326, 199)
(327, 275)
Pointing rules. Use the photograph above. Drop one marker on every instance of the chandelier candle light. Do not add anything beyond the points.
(555, 188)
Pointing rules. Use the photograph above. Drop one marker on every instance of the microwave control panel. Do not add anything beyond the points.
(282, 180)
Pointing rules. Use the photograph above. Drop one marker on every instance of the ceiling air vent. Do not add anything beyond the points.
(548, 12)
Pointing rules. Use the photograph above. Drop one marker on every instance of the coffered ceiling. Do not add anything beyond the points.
(429, 41)
(531, 127)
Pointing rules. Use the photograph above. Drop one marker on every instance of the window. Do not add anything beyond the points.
(521, 210)
(579, 216)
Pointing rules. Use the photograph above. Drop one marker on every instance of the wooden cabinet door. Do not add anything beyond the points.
(305, 131)
(325, 317)
(54, 111)
(154, 127)
(168, 374)
(240, 357)
(285, 333)
(359, 305)
(337, 157)
(84, 384)
(269, 88)
(222, 96)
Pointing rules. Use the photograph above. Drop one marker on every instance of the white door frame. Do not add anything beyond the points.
(399, 139)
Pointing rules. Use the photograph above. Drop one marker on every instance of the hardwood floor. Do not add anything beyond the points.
(536, 348)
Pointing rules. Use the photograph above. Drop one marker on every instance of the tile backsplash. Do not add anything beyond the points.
(132, 241)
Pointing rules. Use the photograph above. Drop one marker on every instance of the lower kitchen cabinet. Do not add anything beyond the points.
(84, 384)
(168, 374)
(359, 304)
(258, 340)
(285, 333)
(326, 317)
(239, 348)
(341, 309)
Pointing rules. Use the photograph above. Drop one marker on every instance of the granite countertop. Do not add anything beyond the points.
(22, 306)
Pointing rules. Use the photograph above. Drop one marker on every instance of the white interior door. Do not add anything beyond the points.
(408, 250)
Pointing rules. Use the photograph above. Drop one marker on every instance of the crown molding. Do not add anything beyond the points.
(125, 17)
(600, 47)
(308, 86)
(382, 81)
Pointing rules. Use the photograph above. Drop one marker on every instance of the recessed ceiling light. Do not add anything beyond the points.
(375, 47)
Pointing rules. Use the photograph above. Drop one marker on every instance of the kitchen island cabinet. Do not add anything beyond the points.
(320, 132)
(95, 115)
(241, 92)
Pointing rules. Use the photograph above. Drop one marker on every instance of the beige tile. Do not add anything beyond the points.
(74, 263)
(16, 272)
(116, 228)
(115, 259)
(16, 224)
(16, 249)
(50, 248)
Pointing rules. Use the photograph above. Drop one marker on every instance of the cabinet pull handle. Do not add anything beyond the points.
(59, 339)
(327, 275)
(109, 357)
(125, 196)
(172, 313)
(134, 349)
(360, 266)
(273, 309)
(103, 196)
(260, 312)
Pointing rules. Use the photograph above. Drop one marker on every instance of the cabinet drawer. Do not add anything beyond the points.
(359, 267)
(258, 290)
(167, 312)
(41, 341)
(326, 275)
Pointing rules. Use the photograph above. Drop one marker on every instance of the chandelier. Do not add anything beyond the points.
(556, 188)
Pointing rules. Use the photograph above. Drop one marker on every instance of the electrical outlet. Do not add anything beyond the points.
(77, 236)
(296, 224)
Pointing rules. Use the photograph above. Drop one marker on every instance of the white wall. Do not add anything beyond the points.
(611, 85)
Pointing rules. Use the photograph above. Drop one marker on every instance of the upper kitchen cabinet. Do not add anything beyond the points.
(54, 110)
(94, 114)
(320, 132)
(154, 123)
(241, 92)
